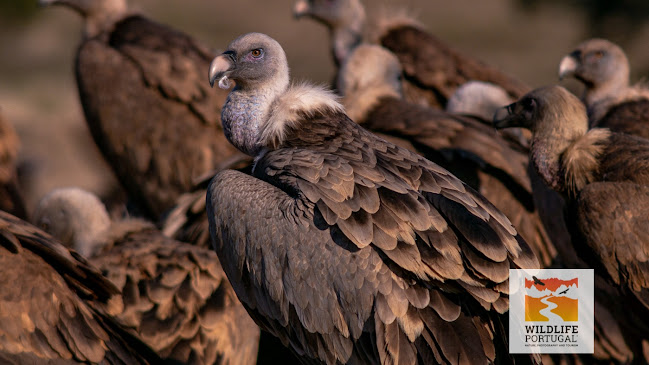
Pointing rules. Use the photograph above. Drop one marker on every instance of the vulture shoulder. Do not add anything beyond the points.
(178, 299)
(394, 244)
(54, 305)
(11, 196)
(142, 90)
(612, 218)
(433, 70)
(630, 117)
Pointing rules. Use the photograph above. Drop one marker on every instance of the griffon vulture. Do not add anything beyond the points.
(142, 89)
(467, 147)
(55, 307)
(432, 69)
(11, 196)
(605, 177)
(347, 247)
(175, 295)
(612, 103)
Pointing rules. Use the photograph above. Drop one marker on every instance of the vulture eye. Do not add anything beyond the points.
(599, 54)
(257, 52)
(529, 104)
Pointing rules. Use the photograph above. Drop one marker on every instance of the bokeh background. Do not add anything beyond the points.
(38, 93)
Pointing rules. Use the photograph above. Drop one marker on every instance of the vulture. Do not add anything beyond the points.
(141, 85)
(11, 196)
(604, 176)
(175, 295)
(347, 247)
(55, 307)
(468, 147)
(611, 102)
(432, 69)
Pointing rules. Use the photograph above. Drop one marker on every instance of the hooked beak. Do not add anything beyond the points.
(220, 69)
(505, 118)
(300, 8)
(567, 67)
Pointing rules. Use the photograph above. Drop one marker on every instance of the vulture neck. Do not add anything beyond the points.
(347, 33)
(246, 111)
(88, 230)
(549, 146)
(609, 89)
(100, 16)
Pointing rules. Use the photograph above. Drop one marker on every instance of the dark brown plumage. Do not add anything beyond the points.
(11, 196)
(142, 89)
(467, 147)
(175, 295)
(432, 69)
(612, 102)
(55, 306)
(345, 246)
(604, 176)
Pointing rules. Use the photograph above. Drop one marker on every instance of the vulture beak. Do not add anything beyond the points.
(567, 67)
(300, 8)
(505, 117)
(220, 69)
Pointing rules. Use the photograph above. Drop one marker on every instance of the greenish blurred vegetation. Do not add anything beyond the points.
(17, 11)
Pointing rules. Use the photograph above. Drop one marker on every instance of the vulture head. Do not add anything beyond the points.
(478, 98)
(344, 18)
(253, 61)
(546, 111)
(601, 65)
(74, 216)
(368, 74)
(99, 15)
(556, 118)
(261, 106)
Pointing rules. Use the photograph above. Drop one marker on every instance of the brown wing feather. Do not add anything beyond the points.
(178, 299)
(434, 70)
(473, 152)
(630, 117)
(52, 304)
(315, 210)
(612, 218)
(144, 96)
(625, 158)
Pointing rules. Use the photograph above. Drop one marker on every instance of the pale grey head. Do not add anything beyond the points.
(600, 65)
(478, 98)
(258, 65)
(75, 216)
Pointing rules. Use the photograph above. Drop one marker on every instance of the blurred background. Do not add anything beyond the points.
(38, 94)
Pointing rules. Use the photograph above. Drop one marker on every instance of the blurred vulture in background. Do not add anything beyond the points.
(432, 69)
(55, 307)
(468, 147)
(604, 176)
(347, 247)
(612, 103)
(175, 295)
(11, 196)
(143, 91)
